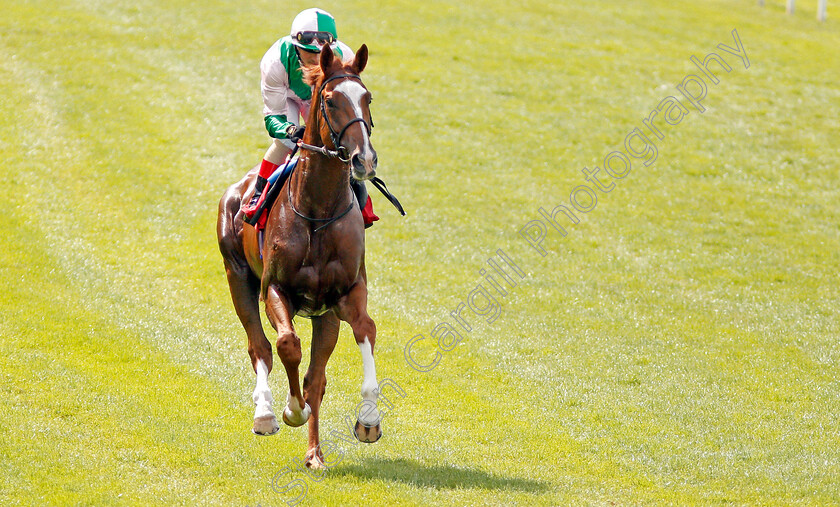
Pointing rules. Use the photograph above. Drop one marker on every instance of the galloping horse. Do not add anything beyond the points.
(313, 258)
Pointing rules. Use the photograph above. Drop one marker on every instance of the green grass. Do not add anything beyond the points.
(679, 346)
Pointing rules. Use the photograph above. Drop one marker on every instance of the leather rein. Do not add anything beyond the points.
(340, 152)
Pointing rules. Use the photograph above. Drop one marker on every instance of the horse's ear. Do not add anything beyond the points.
(327, 58)
(361, 59)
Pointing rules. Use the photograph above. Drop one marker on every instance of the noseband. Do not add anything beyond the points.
(340, 152)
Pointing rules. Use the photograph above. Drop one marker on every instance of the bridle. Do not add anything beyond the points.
(340, 152)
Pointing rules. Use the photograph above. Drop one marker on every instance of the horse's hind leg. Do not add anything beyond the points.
(324, 338)
(244, 289)
(353, 310)
(279, 313)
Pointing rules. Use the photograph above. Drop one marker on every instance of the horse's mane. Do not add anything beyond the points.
(312, 74)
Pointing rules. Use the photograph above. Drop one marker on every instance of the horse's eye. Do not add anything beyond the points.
(330, 102)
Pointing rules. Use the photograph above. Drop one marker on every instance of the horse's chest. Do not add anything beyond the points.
(322, 279)
(320, 287)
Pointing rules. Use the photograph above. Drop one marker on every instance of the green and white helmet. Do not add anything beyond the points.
(312, 29)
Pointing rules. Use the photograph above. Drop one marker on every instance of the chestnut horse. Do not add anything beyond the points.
(313, 258)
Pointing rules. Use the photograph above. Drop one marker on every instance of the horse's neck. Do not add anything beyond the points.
(322, 186)
(323, 183)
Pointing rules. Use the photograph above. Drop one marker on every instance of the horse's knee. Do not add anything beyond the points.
(312, 377)
(288, 347)
(365, 329)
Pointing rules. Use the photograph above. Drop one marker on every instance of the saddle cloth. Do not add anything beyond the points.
(272, 190)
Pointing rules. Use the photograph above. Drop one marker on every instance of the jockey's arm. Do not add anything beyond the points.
(280, 112)
(278, 126)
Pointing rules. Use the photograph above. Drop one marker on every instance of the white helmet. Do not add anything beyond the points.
(312, 29)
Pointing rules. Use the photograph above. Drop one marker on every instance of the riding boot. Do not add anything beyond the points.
(250, 208)
(368, 214)
(365, 204)
(360, 190)
(266, 170)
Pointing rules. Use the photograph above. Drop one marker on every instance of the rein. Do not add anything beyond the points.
(323, 150)
(340, 153)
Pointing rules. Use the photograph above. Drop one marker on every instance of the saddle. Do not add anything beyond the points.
(281, 174)
(272, 190)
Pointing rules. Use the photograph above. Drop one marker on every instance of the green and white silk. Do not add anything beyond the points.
(286, 96)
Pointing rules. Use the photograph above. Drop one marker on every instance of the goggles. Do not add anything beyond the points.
(317, 38)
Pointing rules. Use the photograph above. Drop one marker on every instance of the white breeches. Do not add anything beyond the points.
(278, 150)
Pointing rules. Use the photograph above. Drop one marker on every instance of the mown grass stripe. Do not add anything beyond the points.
(678, 347)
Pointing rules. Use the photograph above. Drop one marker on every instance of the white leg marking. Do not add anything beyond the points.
(292, 403)
(294, 414)
(368, 412)
(262, 393)
(264, 421)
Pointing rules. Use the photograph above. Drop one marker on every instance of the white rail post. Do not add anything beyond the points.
(821, 10)
(790, 6)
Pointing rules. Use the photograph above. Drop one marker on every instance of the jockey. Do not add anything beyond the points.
(286, 96)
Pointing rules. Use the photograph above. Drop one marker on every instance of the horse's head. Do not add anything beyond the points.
(344, 105)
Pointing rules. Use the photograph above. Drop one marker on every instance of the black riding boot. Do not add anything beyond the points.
(361, 192)
(251, 207)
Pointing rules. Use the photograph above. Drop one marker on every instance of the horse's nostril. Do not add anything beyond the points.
(364, 166)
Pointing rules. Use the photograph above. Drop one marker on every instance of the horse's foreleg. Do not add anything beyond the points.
(353, 310)
(324, 337)
(288, 348)
(244, 290)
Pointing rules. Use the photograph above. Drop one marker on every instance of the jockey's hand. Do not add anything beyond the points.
(297, 134)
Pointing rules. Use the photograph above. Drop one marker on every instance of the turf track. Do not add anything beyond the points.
(679, 346)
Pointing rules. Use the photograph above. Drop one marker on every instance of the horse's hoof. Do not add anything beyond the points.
(265, 425)
(367, 434)
(293, 420)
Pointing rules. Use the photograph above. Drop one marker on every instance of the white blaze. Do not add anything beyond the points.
(355, 93)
